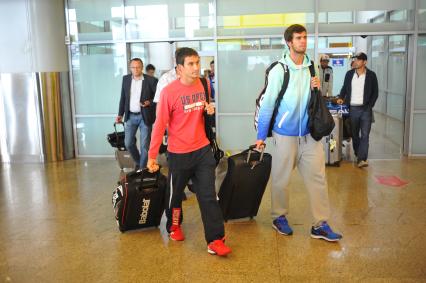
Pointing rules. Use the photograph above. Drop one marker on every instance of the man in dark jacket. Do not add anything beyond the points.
(138, 108)
(360, 91)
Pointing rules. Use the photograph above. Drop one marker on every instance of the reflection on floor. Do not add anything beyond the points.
(386, 137)
(57, 225)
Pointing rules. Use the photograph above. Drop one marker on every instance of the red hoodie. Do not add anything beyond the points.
(181, 107)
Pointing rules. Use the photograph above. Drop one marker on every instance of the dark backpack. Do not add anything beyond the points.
(320, 121)
(261, 96)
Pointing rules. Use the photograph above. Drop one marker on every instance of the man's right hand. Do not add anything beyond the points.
(260, 144)
(119, 119)
(339, 101)
(152, 165)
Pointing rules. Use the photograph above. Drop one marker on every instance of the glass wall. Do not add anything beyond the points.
(365, 15)
(397, 78)
(243, 39)
(378, 62)
(419, 119)
(95, 20)
(156, 53)
(149, 20)
(253, 17)
(161, 54)
(389, 57)
(97, 72)
(422, 15)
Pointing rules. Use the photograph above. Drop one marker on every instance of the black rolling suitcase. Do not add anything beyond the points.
(139, 200)
(242, 189)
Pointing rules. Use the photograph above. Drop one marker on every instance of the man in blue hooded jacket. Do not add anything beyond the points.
(292, 144)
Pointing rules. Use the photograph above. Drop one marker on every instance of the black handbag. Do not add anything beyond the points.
(320, 121)
(116, 139)
(209, 122)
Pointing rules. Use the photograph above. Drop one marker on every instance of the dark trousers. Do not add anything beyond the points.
(361, 119)
(199, 166)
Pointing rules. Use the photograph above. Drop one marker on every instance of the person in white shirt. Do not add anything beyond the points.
(360, 92)
(164, 80)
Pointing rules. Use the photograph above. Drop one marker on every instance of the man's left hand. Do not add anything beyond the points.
(209, 107)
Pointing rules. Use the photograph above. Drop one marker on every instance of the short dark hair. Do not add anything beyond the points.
(149, 67)
(184, 52)
(212, 62)
(137, 60)
(288, 34)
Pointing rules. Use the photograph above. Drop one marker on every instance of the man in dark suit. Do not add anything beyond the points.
(360, 91)
(138, 108)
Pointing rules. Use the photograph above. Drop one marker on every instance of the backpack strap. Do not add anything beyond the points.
(279, 98)
(206, 89)
(208, 126)
(285, 85)
(312, 69)
(280, 94)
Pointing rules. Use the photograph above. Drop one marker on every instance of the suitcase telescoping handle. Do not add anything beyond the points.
(252, 149)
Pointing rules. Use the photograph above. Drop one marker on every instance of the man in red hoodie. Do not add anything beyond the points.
(181, 109)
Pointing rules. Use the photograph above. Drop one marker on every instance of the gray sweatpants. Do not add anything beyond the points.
(308, 155)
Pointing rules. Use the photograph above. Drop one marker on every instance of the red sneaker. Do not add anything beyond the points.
(176, 234)
(218, 247)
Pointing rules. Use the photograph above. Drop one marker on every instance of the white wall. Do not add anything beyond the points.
(160, 55)
(32, 36)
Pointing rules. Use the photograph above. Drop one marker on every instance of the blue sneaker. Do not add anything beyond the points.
(324, 232)
(281, 225)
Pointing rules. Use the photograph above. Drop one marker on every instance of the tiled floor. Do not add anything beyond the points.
(57, 225)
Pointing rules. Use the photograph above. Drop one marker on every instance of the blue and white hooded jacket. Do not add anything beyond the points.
(292, 116)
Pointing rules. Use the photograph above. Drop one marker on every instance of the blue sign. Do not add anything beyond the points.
(336, 108)
(337, 62)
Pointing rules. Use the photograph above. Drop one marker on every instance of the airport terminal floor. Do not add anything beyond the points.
(57, 225)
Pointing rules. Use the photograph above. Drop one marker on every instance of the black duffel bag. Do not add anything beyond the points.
(320, 121)
(139, 200)
(116, 139)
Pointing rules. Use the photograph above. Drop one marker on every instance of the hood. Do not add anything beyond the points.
(287, 60)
